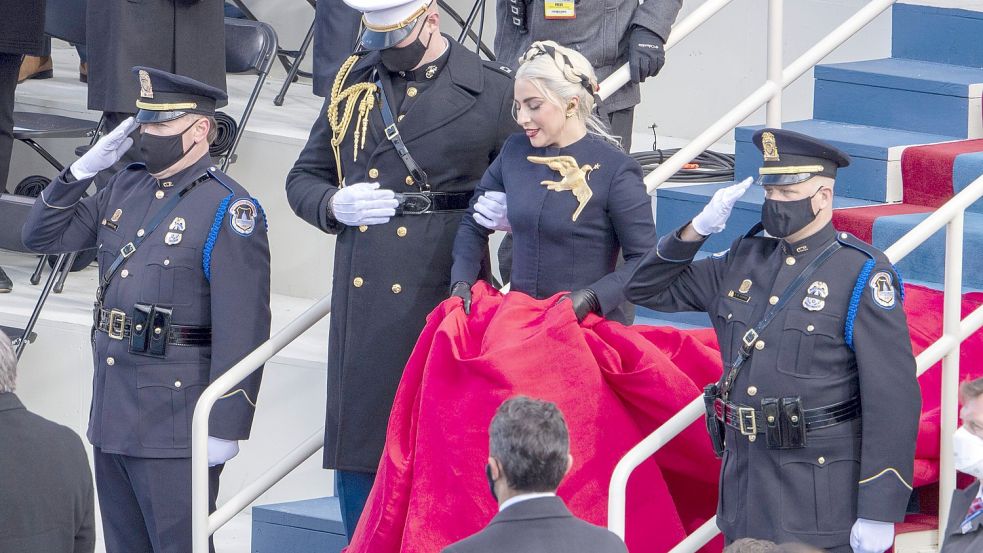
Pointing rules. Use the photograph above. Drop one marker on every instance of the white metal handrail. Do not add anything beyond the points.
(955, 330)
(203, 525)
(771, 90)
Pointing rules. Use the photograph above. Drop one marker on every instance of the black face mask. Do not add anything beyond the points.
(783, 219)
(491, 482)
(406, 57)
(160, 152)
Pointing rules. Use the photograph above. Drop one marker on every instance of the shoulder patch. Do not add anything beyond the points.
(242, 217)
(882, 290)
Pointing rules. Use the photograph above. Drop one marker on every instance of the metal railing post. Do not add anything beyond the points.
(951, 321)
(773, 115)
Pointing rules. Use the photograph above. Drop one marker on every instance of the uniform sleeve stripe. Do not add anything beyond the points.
(206, 254)
(882, 473)
(858, 290)
(239, 391)
(56, 206)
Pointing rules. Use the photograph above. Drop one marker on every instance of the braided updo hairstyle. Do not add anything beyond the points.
(561, 73)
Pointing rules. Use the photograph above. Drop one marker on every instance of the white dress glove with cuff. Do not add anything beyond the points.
(105, 152)
(492, 212)
(363, 204)
(714, 216)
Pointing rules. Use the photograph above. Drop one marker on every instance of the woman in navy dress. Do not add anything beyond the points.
(564, 188)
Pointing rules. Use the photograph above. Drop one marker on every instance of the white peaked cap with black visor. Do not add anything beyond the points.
(388, 22)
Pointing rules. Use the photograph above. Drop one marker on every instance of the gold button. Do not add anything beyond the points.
(411, 91)
(773, 300)
(373, 173)
(790, 260)
(401, 232)
(159, 194)
(810, 328)
(409, 181)
(822, 460)
(124, 273)
(759, 345)
(140, 232)
(358, 282)
(167, 262)
(401, 116)
(752, 391)
(110, 361)
(397, 288)
(751, 438)
(177, 383)
(363, 228)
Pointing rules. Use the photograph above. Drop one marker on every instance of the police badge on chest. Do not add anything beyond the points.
(175, 232)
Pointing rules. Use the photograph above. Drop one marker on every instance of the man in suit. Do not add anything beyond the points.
(963, 533)
(391, 180)
(529, 454)
(47, 504)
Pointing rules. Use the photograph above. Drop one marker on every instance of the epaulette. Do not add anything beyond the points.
(499, 68)
(851, 241)
(222, 178)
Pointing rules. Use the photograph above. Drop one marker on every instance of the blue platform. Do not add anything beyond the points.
(927, 262)
(941, 35)
(299, 526)
(966, 169)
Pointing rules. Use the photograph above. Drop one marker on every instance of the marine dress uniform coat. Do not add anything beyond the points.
(842, 335)
(453, 116)
(185, 37)
(553, 253)
(208, 261)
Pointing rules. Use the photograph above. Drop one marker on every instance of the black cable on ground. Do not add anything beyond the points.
(31, 186)
(707, 167)
(226, 127)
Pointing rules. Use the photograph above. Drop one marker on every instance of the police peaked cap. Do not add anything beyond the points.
(165, 96)
(788, 153)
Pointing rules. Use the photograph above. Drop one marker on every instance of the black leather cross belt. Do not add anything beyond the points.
(419, 203)
(750, 421)
(119, 326)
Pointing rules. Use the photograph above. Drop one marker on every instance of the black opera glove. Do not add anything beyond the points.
(584, 301)
(462, 289)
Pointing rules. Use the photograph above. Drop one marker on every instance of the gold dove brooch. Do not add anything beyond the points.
(574, 179)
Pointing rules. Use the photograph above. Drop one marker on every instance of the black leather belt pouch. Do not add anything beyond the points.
(139, 328)
(715, 428)
(793, 423)
(161, 323)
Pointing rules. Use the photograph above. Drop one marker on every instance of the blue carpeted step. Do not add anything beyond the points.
(966, 169)
(875, 172)
(927, 262)
(897, 93)
(677, 206)
(941, 35)
(298, 527)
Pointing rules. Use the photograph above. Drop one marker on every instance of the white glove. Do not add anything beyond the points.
(714, 216)
(363, 204)
(871, 536)
(105, 152)
(220, 451)
(492, 212)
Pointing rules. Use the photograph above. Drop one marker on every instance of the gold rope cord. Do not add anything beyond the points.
(350, 97)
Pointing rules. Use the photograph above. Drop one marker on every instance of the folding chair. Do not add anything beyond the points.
(250, 48)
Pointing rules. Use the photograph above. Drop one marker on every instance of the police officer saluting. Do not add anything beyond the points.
(412, 122)
(184, 294)
(816, 413)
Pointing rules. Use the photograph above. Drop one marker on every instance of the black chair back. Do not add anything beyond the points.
(65, 19)
(249, 46)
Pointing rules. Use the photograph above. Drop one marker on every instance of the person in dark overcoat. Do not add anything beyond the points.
(394, 215)
(570, 196)
(816, 413)
(184, 294)
(21, 32)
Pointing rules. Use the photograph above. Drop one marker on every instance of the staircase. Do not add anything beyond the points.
(904, 120)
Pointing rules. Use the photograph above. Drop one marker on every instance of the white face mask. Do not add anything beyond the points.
(968, 451)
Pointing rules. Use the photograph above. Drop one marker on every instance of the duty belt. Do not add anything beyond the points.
(119, 326)
(419, 203)
(750, 421)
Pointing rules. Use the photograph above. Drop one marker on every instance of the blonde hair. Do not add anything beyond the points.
(561, 74)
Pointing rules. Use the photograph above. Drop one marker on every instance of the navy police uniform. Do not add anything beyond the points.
(820, 421)
(552, 252)
(452, 115)
(190, 301)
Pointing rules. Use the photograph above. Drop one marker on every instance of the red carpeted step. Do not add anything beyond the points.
(859, 221)
(926, 171)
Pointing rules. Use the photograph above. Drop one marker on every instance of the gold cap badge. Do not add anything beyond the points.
(146, 89)
(768, 146)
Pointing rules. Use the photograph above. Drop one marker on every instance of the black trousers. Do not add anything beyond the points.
(620, 123)
(146, 503)
(9, 67)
